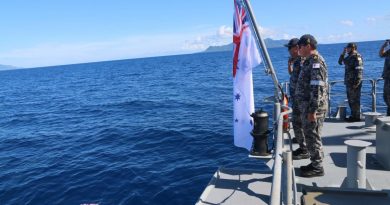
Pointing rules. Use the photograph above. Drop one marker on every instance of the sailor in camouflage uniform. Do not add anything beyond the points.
(312, 94)
(353, 79)
(294, 67)
(384, 52)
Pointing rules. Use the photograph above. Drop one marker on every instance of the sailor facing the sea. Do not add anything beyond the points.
(384, 52)
(353, 79)
(294, 68)
(312, 94)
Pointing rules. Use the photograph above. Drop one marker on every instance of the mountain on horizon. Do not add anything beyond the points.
(7, 67)
(270, 43)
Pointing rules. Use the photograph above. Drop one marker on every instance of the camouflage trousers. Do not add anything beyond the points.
(386, 95)
(353, 95)
(297, 125)
(312, 133)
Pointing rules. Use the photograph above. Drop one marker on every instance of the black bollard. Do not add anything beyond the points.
(260, 134)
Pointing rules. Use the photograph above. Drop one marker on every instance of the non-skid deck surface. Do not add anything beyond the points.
(230, 186)
(235, 186)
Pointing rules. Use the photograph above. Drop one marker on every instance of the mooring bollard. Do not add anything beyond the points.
(342, 112)
(356, 163)
(370, 117)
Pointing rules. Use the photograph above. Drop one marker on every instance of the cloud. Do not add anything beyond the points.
(59, 53)
(347, 22)
(225, 31)
(371, 20)
(222, 36)
(287, 36)
(378, 19)
(335, 38)
(47, 54)
(275, 34)
(267, 32)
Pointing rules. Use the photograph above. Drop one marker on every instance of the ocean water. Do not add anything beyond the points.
(141, 131)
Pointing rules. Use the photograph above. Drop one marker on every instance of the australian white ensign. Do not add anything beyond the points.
(245, 57)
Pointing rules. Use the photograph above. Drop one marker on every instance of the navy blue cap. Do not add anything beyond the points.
(352, 45)
(307, 39)
(293, 42)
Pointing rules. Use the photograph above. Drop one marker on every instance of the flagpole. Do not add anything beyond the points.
(260, 41)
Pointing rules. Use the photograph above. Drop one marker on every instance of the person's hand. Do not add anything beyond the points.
(290, 67)
(344, 51)
(289, 62)
(312, 117)
(387, 42)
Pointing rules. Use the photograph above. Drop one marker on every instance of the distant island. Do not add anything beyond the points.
(270, 43)
(7, 67)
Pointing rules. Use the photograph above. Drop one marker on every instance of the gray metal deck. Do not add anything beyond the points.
(231, 186)
(253, 187)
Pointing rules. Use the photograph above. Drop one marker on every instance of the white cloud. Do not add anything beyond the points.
(275, 34)
(47, 54)
(378, 19)
(347, 22)
(222, 36)
(267, 32)
(287, 36)
(58, 53)
(336, 38)
(225, 31)
(371, 20)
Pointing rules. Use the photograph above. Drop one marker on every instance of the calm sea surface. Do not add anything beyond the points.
(143, 131)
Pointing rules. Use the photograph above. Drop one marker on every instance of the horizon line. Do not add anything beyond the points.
(159, 56)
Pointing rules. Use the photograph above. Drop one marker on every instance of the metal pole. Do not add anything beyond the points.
(276, 112)
(294, 186)
(284, 179)
(286, 90)
(287, 166)
(277, 169)
(373, 94)
(264, 49)
(329, 105)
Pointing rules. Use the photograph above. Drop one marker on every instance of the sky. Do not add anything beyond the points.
(46, 32)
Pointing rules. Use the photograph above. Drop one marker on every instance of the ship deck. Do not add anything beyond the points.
(238, 186)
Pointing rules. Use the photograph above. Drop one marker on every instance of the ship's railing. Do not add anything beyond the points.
(373, 83)
(283, 182)
(282, 165)
(376, 93)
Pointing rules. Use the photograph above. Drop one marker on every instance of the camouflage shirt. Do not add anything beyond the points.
(353, 68)
(295, 74)
(312, 86)
(386, 67)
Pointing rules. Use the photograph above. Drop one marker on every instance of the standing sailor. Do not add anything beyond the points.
(384, 52)
(294, 67)
(312, 94)
(353, 79)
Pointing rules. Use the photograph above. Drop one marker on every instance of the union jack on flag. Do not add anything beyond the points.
(245, 57)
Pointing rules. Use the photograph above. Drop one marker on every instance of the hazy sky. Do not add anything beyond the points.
(49, 32)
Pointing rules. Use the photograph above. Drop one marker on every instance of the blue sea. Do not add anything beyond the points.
(140, 131)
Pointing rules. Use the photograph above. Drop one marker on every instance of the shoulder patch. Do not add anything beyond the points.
(316, 65)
